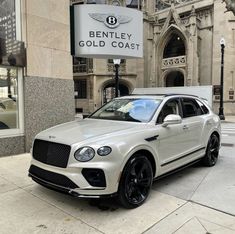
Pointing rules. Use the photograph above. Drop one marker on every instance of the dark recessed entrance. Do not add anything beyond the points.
(174, 78)
(109, 91)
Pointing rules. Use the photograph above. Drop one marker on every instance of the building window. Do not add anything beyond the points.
(9, 106)
(82, 65)
(80, 89)
(11, 76)
(7, 19)
(175, 47)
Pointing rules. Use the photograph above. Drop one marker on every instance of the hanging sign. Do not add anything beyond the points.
(105, 31)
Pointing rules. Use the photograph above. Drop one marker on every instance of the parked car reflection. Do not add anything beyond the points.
(7, 113)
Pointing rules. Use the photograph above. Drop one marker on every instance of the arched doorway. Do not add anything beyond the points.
(174, 78)
(109, 91)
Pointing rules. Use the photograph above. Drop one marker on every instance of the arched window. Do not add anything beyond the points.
(175, 47)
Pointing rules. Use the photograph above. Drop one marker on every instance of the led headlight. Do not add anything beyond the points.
(84, 154)
(104, 150)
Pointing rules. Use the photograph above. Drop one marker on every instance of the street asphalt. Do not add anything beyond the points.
(196, 200)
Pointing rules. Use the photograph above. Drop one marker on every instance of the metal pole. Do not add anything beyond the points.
(221, 108)
(116, 80)
(9, 83)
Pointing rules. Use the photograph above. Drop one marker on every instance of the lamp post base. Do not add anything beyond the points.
(221, 114)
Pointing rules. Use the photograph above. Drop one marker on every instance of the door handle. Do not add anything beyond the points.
(185, 127)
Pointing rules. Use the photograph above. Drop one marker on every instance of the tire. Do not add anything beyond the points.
(212, 151)
(136, 182)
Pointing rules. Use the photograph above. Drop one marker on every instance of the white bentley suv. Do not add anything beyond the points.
(122, 147)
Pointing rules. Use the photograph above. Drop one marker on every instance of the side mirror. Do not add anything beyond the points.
(171, 119)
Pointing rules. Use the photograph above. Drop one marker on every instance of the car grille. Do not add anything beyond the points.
(52, 177)
(51, 153)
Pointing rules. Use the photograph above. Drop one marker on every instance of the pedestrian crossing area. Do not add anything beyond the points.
(228, 130)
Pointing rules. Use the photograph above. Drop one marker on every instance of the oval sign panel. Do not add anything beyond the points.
(104, 31)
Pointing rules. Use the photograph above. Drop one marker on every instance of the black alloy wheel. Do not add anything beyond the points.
(136, 182)
(212, 151)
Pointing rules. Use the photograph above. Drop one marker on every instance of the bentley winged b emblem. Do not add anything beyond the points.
(111, 20)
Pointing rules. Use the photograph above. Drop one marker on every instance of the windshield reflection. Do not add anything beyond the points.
(134, 110)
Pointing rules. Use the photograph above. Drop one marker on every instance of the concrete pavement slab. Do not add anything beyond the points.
(23, 213)
(193, 226)
(108, 217)
(183, 220)
(15, 169)
(216, 229)
(218, 188)
(6, 186)
(184, 183)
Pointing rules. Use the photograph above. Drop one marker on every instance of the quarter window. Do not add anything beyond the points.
(203, 107)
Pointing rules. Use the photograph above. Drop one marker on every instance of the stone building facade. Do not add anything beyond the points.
(181, 48)
(37, 92)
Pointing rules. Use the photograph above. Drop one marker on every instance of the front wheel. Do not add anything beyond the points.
(212, 151)
(135, 182)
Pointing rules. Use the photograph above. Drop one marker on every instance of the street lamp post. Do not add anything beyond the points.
(116, 63)
(221, 108)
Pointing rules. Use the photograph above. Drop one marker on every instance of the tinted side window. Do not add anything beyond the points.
(203, 107)
(191, 108)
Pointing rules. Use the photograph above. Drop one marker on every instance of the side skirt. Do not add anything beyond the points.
(176, 170)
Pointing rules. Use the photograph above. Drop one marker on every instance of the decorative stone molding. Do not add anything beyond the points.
(122, 68)
(163, 4)
(173, 62)
(230, 5)
(204, 13)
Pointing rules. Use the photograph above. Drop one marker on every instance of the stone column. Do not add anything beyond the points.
(48, 78)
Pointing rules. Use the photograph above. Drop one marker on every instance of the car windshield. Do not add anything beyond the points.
(134, 110)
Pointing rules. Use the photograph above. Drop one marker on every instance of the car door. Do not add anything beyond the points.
(171, 138)
(193, 124)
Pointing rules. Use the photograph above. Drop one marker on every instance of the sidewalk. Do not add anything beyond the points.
(26, 207)
(229, 118)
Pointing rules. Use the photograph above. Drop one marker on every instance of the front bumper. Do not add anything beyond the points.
(63, 189)
(74, 181)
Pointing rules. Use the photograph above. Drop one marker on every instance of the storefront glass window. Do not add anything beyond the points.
(7, 19)
(8, 98)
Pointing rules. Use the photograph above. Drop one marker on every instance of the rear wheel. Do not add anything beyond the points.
(136, 182)
(212, 151)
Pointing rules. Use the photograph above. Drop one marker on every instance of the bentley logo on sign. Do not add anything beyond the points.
(104, 31)
(111, 20)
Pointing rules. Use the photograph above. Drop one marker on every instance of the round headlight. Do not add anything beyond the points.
(84, 154)
(104, 150)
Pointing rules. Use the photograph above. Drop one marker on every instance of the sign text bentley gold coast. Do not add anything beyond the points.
(105, 31)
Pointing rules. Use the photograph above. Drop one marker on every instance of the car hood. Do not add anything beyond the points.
(78, 131)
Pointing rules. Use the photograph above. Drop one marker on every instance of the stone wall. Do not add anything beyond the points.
(48, 81)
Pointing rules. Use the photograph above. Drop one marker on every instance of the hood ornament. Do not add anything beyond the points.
(52, 137)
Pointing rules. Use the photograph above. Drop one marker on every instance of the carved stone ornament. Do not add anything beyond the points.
(163, 4)
(230, 5)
